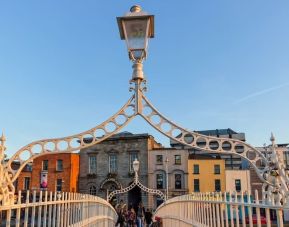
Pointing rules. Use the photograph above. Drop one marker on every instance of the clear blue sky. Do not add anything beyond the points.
(212, 64)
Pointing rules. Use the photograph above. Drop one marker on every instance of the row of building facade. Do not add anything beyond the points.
(107, 166)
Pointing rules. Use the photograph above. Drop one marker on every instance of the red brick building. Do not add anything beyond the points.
(51, 172)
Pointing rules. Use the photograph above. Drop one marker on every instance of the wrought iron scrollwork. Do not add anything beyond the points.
(75, 142)
(136, 183)
(138, 104)
(208, 144)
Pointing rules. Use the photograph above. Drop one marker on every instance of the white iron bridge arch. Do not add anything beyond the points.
(139, 105)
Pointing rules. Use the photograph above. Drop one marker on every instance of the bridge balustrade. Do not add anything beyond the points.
(57, 209)
(221, 209)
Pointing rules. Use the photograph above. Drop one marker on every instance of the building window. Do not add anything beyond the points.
(196, 169)
(92, 190)
(196, 185)
(59, 165)
(217, 169)
(178, 160)
(217, 185)
(132, 157)
(28, 168)
(160, 181)
(45, 165)
(112, 163)
(26, 183)
(159, 159)
(238, 185)
(59, 185)
(178, 181)
(286, 159)
(92, 164)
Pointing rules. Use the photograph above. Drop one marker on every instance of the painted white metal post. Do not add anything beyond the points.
(18, 213)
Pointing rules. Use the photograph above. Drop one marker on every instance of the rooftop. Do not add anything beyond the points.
(224, 133)
(217, 132)
(123, 135)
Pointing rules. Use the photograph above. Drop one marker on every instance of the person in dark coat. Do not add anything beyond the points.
(140, 215)
(148, 217)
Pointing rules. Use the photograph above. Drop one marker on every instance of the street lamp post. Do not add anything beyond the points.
(167, 178)
(136, 27)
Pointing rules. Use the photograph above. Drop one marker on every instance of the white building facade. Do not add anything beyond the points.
(238, 180)
(168, 163)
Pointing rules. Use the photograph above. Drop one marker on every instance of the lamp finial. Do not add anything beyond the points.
(135, 9)
(272, 138)
(3, 139)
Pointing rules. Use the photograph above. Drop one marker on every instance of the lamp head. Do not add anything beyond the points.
(136, 27)
(135, 165)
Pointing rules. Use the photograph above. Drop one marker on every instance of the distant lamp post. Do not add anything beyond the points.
(136, 27)
(135, 183)
(167, 178)
(135, 166)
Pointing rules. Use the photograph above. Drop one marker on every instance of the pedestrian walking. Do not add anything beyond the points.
(140, 215)
(148, 217)
(131, 218)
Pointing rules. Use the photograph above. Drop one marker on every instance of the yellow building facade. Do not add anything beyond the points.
(206, 175)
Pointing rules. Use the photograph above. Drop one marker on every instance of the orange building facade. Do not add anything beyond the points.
(51, 172)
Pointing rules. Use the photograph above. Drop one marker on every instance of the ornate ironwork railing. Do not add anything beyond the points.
(221, 209)
(57, 209)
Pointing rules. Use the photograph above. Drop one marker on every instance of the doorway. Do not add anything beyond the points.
(134, 197)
